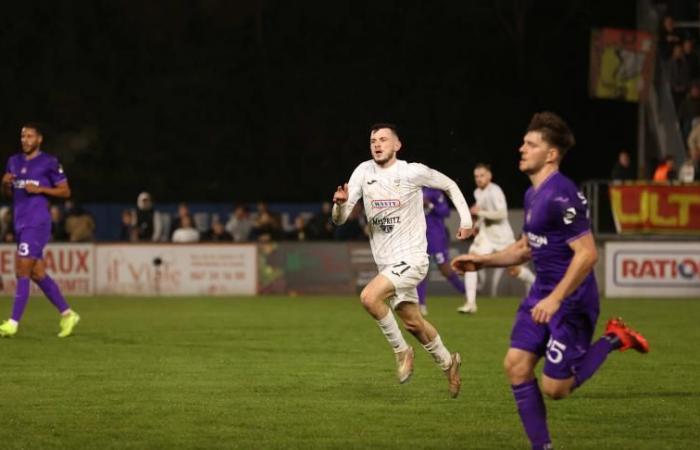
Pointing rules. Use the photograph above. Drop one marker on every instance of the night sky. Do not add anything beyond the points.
(225, 100)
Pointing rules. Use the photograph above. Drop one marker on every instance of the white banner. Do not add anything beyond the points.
(652, 269)
(176, 269)
(71, 265)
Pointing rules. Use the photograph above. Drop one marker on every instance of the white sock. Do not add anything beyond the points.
(13, 322)
(392, 333)
(439, 352)
(497, 274)
(470, 281)
(526, 276)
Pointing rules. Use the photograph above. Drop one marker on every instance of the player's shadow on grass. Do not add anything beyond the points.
(638, 394)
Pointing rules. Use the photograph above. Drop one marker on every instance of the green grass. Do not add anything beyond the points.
(274, 373)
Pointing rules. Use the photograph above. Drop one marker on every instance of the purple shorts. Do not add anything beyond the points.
(563, 341)
(32, 240)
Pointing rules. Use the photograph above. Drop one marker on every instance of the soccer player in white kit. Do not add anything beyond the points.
(494, 233)
(393, 200)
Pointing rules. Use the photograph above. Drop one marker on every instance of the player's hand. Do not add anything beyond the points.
(474, 210)
(466, 263)
(341, 195)
(545, 309)
(33, 189)
(465, 233)
(8, 178)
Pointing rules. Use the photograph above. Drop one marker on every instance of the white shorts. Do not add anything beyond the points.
(405, 276)
(482, 246)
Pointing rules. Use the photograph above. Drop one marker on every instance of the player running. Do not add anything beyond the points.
(557, 318)
(494, 234)
(393, 203)
(437, 209)
(30, 178)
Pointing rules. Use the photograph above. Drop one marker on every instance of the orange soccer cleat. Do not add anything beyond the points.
(628, 337)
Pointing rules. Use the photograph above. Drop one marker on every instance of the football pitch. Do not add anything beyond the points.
(313, 372)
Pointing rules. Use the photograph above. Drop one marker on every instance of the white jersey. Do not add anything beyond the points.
(493, 216)
(393, 201)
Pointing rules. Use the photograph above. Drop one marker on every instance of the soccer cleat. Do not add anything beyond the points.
(68, 322)
(453, 378)
(628, 337)
(423, 310)
(404, 365)
(8, 329)
(467, 309)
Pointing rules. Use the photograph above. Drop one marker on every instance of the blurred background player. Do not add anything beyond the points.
(30, 178)
(558, 316)
(437, 209)
(393, 203)
(493, 234)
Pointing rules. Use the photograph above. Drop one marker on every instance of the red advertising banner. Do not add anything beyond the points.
(651, 208)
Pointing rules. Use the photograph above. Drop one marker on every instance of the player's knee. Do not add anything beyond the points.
(367, 298)
(555, 391)
(517, 371)
(413, 325)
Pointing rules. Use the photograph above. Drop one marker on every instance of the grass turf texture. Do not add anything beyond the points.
(308, 373)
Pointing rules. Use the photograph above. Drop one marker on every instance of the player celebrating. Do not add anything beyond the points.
(393, 203)
(557, 318)
(30, 177)
(437, 209)
(494, 234)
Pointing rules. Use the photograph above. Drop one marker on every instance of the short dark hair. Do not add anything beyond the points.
(483, 166)
(34, 126)
(554, 131)
(380, 125)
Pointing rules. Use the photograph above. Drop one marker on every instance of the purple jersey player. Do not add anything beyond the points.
(30, 178)
(437, 209)
(557, 318)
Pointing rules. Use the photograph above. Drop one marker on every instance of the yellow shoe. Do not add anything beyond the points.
(8, 329)
(68, 322)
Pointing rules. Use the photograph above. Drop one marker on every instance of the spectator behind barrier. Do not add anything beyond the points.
(622, 170)
(665, 171)
(7, 227)
(320, 226)
(187, 232)
(300, 231)
(691, 58)
(689, 109)
(680, 75)
(58, 224)
(690, 169)
(217, 232)
(668, 37)
(240, 224)
(80, 225)
(182, 211)
(148, 222)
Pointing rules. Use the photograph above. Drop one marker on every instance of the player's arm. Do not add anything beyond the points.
(61, 190)
(515, 254)
(345, 198)
(426, 176)
(583, 262)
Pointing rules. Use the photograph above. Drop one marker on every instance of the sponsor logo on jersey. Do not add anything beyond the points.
(569, 215)
(380, 205)
(535, 240)
(22, 183)
(371, 181)
(386, 224)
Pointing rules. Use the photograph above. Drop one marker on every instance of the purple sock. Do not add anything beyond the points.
(457, 282)
(594, 358)
(21, 298)
(53, 293)
(422, 287)
(532, 412)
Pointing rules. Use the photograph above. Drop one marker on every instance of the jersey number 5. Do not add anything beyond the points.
(555, 351)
